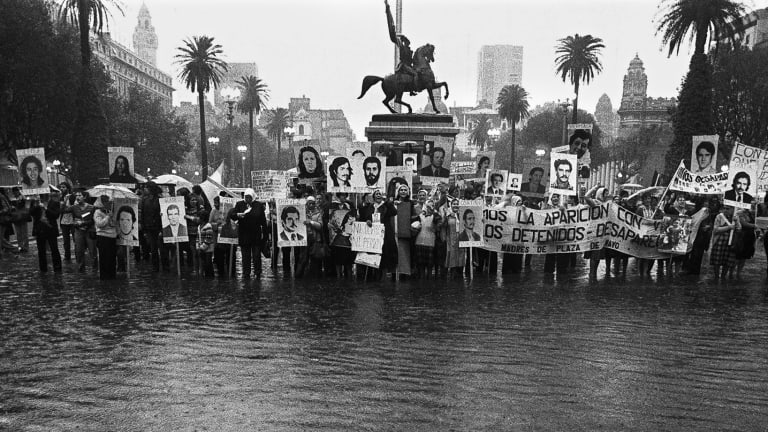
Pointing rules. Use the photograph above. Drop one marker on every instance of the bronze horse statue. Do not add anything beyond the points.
(394, 85)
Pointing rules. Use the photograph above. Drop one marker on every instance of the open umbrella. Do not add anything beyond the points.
(172, 179)
(112, 192)
(652, 191)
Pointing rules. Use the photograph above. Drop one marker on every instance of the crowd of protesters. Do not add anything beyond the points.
(420, 236)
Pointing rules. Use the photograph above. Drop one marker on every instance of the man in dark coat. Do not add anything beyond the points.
(253, 232)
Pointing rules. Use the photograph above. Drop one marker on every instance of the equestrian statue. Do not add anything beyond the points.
(413, 74)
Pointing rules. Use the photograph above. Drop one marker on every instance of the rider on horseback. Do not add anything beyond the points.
(405, 67)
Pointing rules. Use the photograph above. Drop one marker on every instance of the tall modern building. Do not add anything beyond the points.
(497, 66)
(135, 67)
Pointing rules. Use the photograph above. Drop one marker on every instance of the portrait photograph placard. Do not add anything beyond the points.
(514, 182)
(436, 160)
(704, 154)
(496, 182)
(291, 214)
(309, 162)
(398, 177)
(125, 217)
(174, 225)
(579, 144)
(470, 224)
(411, 161)
(485, 160)
(32, 174)
(228, 231)
(743, 175)
(563, 180)
(357, 174)
(121, 169)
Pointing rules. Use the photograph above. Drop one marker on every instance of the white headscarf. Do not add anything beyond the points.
(250, 192)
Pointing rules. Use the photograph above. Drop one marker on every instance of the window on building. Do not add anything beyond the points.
(301, 129)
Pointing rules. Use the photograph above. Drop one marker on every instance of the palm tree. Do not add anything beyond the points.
(479, 134)
(513, 106)
(704, 20)
(90, 131)
(280, 118)
(87, 15)
(201, 69)
(254, 95)
(578, 61)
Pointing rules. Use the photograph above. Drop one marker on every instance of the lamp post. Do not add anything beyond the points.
(564, 105)
(213, 142)
(242, 149)
(231, 95)
(289, 132)
(56, 165)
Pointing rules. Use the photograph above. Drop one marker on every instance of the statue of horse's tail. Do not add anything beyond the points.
(368, 82)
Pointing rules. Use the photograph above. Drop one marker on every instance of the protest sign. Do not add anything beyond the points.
(579, 144)
(484, 161)
(174, 227)
(357, 174)
(470, 226)
(358, 149)
(743, 175)
(496, 182)
(309, 164)
(366, 238)
(704, 154)
(125, 218)
(269, 184)
(563, 174)
(227, 231)
(411, 161)
(706, 184)
(340, 227)
(576, 229)
(437, 156)
(675, 233)
(463, 168)
(397, 177)
(291, 230)
(368, 260)
(535, 179)
(121, 162)
(32, 171)
(514, 182)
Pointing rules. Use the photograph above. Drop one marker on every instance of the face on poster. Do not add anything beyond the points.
(496, 182)
(125, 219)
(309, 163)
(227, 232)
(291, 230)
(121, 166)
(32, 171)
(675, 234)
(563, 178)
(485, 161)
(362, 149)
(743, 174)
(174, 227)
(411, 161)
(356, 174)
(399, 183)
(470, 225)
(514, 181)
(437, 157)
(704, 154)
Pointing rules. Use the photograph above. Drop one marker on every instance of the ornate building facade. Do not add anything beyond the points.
(327, 128)
(128, 67)
(637, 110)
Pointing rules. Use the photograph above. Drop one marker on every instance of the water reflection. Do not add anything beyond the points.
(512, 352)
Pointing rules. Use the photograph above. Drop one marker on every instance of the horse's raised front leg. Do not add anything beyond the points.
(443, 84)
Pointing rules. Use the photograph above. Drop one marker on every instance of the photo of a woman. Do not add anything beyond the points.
(340, 172)
(310, 164)
(122, 171)
(483, 164)
(31, 169)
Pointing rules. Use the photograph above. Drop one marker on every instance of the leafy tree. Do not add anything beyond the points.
(479, 133)
(513, 106)
(90, 129)
(703, 19)
(577, 61)
(740, 95)
(254, 95)
(201, 69)
(279, 119)
(159, 138)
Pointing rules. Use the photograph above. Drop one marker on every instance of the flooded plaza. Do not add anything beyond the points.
(512, 352)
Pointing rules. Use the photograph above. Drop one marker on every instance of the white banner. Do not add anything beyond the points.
(367, 239)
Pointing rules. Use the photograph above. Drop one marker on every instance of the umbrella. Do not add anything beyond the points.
(653, 191)
(112, 192)
(179, 182)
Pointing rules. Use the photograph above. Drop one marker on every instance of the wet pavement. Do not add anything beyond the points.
(520, 352)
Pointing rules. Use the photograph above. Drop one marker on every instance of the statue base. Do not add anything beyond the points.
(411, 128)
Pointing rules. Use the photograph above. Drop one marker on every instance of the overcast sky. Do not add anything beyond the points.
(323, 48)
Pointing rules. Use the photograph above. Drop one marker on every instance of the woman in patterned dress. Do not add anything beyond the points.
(722, 257)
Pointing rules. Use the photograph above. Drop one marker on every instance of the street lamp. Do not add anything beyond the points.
(242, 149)
(289, 132)
(56, 165)
(540, 152)
(173, 171)
(231, 95)
(213, 142)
